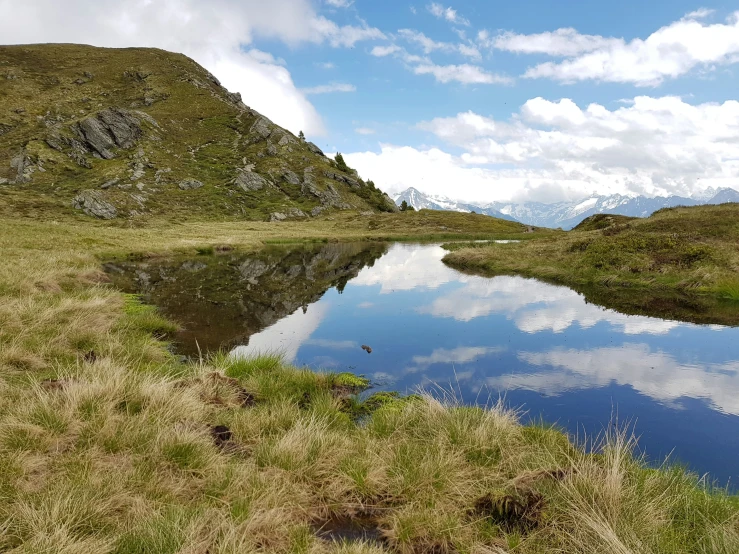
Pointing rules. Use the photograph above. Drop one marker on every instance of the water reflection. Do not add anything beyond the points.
(543, 347)
(226, 299)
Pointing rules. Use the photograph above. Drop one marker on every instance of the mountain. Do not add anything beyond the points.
(421, 201)
(568, 214)
(136, 132)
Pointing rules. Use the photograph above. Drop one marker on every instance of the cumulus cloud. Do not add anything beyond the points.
(213, 33)
(332, 87)
(652, 146)
(669, 52)
(448, 14)
(340, 3)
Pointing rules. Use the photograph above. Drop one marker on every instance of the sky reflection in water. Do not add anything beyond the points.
(540, 346)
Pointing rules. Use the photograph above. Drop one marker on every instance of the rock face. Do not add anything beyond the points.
(190, 184)
(112, 127)
(91, 202)
(313, 148)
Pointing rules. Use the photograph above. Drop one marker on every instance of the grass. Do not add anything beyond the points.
(680, 262)
(117, 452)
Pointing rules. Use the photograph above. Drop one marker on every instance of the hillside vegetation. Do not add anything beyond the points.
(138, 132)
(110, 444)
(689, 255)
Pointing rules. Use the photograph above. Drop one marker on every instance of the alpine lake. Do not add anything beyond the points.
(397, 315)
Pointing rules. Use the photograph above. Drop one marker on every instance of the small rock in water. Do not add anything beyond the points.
(367, 349)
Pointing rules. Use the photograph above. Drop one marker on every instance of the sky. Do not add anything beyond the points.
(470, 99)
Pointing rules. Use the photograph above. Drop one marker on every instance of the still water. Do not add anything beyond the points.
(542, 348)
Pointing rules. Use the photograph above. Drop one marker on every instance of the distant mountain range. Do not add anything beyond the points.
(567, 214)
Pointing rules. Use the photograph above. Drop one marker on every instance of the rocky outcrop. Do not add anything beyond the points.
(313, 148)
(290, 214)
(262, 128)
(23, 167)
(92, 203)
(111, 128)
(249, 181)
(190, 184)
(342, 178)
(290, 177)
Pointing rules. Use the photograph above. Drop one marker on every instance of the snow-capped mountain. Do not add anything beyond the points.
(421, 201)
(568, 214)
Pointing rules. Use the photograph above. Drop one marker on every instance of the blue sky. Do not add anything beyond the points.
(535, 100)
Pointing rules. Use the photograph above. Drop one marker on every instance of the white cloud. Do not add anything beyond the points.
(332, 87)
(382, 51)
(346, 36)
(653, 373)
(701, 13)
(333, 344)
(461, 355)
(212, 33)
(340, 3)
(287, 335)
(562, 42)
(464, 73)
(669, 52)
(536, 307)
(364, 131)
(429, 45)
(326, 65)
(653, 146)
(449, 14)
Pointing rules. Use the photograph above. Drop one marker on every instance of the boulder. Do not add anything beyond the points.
(3, 181)
(91, 202)
(249, 181)
(190, 184)
(290, 177)
(261, 127)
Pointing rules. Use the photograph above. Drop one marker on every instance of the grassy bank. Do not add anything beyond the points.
(108, 443)
(689, 255)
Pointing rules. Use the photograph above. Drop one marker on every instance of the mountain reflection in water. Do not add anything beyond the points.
(542, 347)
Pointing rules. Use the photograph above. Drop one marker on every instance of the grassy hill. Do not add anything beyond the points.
(135, 132)
(680, 262)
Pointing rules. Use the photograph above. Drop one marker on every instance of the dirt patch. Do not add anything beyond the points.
(514, 512)
(349, 529)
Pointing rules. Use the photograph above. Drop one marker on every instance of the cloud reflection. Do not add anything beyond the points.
(653, 373)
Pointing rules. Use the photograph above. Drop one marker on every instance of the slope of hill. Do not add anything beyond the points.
(139, 131)
(569, 214)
